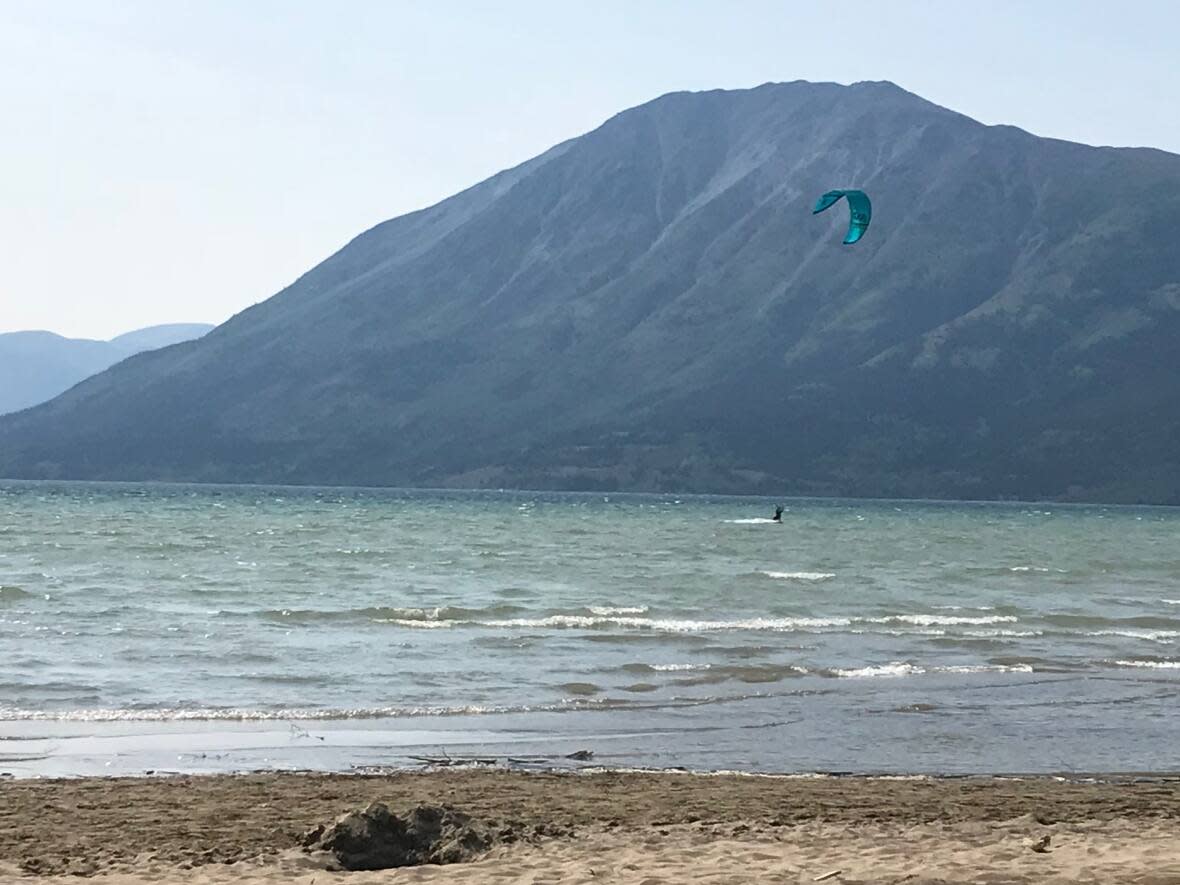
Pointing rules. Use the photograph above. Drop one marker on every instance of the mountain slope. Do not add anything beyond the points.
(652, 305)
(37, 366)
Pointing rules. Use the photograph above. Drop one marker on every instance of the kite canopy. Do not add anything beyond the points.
(859, 207)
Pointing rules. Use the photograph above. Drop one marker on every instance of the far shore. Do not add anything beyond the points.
(607, 826)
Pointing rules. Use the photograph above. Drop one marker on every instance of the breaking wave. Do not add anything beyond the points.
(236, 714)
(900, 668)
(1152, 665)
(799, 576)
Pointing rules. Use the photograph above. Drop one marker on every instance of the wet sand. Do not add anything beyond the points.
(611, 827)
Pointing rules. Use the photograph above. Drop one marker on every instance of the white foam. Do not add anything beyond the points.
(897, 668)
(673, 668)
(669, 625)
(171, 714)
(800, 576)
(426, 614)
(605, 610)
(232, 715)
(942, 620)
(631, 618)
(1153, 665)
(987, 668)
(900, 668)
(1170, 601)
(1149, 635)
(757, 520)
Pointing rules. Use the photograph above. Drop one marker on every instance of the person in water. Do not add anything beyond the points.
(778, 513)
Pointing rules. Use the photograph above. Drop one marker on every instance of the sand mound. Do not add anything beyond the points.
(374, 838)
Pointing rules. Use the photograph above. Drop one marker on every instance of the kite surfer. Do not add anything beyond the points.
(778, 513)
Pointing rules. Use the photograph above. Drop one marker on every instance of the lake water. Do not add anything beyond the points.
(202, 628)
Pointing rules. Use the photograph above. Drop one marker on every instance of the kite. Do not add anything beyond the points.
(859, 207)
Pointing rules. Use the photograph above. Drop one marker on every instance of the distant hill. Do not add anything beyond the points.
(653, 306)
(155, 337)
(37, 366)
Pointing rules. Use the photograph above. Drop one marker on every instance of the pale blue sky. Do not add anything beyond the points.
(170, 161)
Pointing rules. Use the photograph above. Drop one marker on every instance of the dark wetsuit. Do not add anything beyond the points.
(778, 514)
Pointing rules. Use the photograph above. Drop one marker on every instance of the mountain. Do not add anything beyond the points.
(155, 337)
(653, 306)
(37, 366)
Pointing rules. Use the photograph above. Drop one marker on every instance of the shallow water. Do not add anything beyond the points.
(144, 626)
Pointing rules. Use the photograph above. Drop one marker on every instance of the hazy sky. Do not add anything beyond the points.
(169, 161)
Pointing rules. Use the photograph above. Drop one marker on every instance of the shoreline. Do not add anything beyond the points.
(858, 726)
(246, 827)
(523, 768)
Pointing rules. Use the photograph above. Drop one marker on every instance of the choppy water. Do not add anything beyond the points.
(857, 635)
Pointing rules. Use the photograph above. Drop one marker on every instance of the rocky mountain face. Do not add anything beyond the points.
(652, 306)
(37, 366)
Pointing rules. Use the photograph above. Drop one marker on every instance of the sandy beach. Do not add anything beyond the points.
(604, 827)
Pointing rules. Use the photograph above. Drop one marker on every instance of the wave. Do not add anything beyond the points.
(757, 520)
(1036, 664)
(942, 620)
(416, 624)
(901, 668)
(663, 668)
(375, 613)
(693, 625)
(243, 714)
(1163, 636)
(619, 622)
(750, 674)
(710, 674)
(799, 576)
(1153, 665)
(315, 714)
(757, 673)
(660, 625)
(897, 668)
(1150, 621)
(9, 593)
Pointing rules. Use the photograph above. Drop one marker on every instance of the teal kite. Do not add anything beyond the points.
(858, 205)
